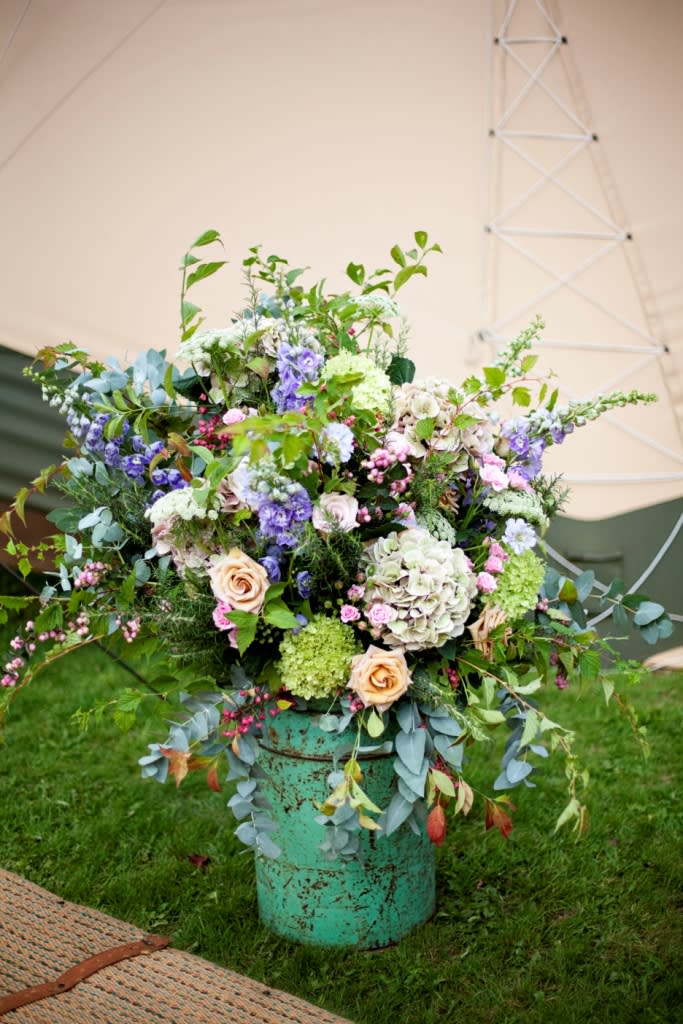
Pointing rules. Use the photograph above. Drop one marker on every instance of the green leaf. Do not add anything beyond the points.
(408, 272)
(572, 810)
(521, 396)
(20, 502)
(374, 724)
(620, 620)
(276, 613)
(206, 238)
(647, 612)
(568, 592)
(291, 276)
(584, 584)
(398, 255)
(528, 363)
(189, 310)
(442, 782)
(202, 453)
(494, 376)
(356, 271)
(530, 728)
(189, 260)
(589, 665)
(421, 238)
(246, 624)
(204, 270)
(425, 428)
(607, 689)
(401, 370)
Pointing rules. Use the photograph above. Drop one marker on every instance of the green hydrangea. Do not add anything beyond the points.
(373, 392)
(316, 661)
(519, 584)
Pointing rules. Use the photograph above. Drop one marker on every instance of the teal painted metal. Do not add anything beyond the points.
(303, 897)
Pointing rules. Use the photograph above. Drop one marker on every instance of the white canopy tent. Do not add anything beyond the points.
(327, 132)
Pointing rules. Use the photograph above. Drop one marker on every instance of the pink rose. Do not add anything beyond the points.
(220, 616)
(494, 564)
(517, 481)
(233, 416)
(348, 613)
(494, 476)
(380, 613)
(486, 583)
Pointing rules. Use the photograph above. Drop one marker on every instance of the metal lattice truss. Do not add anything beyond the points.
(544, 154)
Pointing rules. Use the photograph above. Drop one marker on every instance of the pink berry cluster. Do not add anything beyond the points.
(384, 459)
(561, 680)
(25, 646)
(90, 574)
(129, 628)
(250, 715)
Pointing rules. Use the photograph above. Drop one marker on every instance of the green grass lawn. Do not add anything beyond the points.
(536, 929)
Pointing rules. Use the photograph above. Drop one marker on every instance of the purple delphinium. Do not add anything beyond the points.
(295, 366)
(281, 520)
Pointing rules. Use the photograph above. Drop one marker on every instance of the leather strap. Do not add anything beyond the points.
(148, 944)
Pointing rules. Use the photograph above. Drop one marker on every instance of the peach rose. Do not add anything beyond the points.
(379, 677)
(239, 581)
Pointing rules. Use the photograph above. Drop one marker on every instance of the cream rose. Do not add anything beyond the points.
(379, 677)
(239, 581)
(335, 511)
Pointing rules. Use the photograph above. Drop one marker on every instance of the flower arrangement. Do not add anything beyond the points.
(287, 518)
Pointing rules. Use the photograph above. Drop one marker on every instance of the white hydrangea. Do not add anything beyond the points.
(429, 399)
(428, 584)
(186, 503)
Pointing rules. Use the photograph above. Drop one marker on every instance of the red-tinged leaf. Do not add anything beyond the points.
(200, 860)
(464, 797)
(497, 818)
(212, 778)
(436, 825)
(178, 767)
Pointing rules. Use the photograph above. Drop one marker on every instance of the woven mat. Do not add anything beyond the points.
(42, 936)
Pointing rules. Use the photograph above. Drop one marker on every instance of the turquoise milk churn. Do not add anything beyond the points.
(364, 903)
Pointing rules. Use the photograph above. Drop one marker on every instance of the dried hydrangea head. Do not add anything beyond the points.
(428, 584)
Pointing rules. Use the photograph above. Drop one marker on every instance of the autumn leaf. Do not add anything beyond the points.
(179, 759)
(200, 860)
(212, 778)
(496, 817)
(464, 797)
(436, 825)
